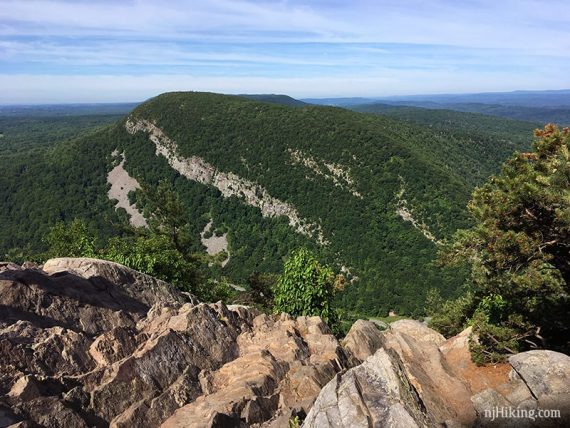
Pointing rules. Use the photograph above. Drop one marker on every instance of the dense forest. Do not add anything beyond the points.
(538, 115)
(479, 138)
(401, 167)
(22, 133)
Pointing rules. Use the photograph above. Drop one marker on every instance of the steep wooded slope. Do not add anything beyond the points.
(370, 193)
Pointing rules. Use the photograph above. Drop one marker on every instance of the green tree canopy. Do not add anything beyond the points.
(163, 249)
(519, 252)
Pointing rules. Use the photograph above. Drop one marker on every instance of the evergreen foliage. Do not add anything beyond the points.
(519, 254)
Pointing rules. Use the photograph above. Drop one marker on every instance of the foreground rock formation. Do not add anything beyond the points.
(416, 378)
(89, 343)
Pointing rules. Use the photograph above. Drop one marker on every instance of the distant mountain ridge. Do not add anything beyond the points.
(551, 98)
(536, 106)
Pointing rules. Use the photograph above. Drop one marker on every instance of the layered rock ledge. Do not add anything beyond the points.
(90, 343)
(86, 343)
(416, 378)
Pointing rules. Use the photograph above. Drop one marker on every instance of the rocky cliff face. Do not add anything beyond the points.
(89, 343)
(228, 183)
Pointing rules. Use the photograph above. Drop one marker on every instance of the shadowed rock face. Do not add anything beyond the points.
(89, 343)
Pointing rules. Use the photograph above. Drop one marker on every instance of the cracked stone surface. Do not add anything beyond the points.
(90, 343)
(417, 378)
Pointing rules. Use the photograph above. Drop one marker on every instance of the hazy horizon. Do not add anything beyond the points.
(369, 97)
(59, 51)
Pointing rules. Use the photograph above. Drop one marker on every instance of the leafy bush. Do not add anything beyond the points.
(70, 240)
(450, 317)
(155, 255)
(213, 290)
(306, 288)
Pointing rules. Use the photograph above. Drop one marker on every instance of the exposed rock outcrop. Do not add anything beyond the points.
(228, 183)
(138, 286)
(338, 174)
(363, 340)
(215, 244)
(92, 343)
(121, 185)
(372, 394)
(406, 213)
(417, 378)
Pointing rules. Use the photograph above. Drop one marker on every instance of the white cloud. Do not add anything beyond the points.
(127, 48)
(523, 24)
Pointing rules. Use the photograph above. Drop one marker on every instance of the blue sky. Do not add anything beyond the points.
(55, 51)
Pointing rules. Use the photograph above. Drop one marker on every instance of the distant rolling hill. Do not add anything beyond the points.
(539, 115)
(548, 99)
(371, 194)
(65, 110)
(534, 106)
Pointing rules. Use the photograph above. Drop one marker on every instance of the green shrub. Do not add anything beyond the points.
(70, 240)
(451, 317)
(306, 288)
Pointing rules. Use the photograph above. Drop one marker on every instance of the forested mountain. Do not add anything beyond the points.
(275, 99)
(540, 115)
(371, 194)
(479, 138)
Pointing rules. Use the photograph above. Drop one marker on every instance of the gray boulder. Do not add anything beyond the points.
(373, 394)
(547, 375)
(363, 340)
